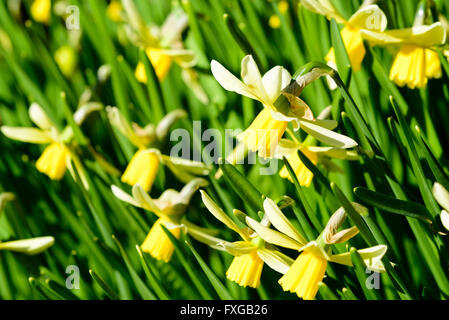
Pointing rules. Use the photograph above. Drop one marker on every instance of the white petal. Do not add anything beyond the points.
(217, 212)
(441, 195)
(144, 199)
(371, 256)
(30, 135)
(81, 114)
(230, 82)
(39, 117)
(122, 195)
(327, 136)
(28, 246)
(280, 222)
(273, 236)
(275, 260)
(252, 78)
(274, 81)
(369, 17)
(445, 219)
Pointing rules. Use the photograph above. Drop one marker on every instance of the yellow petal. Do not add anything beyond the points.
(304, 275)
(142, 170)
(53, 161)
(157, 243)
(355, 48)
(303, 174)
(264, 134)
(246, 270)
(409, 67)
(161, 63)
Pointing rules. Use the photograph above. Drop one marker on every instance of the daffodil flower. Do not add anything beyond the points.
(114, 10)
(442, 196)
(58, 156)
(41, 11)
(163, 45)
(249, 254)
(305, 274)
(415, 61)
(169, 208)
(269, 126)
(143, 167)
(369, 17)
(323, 155)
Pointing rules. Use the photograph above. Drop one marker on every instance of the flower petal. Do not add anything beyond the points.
(371, 256)
(369, 17)
(30, 135)
(280, 222)
(122, 195)
(441, 195)
(424, 36)
(28, 246)
(275, 260)
(252, 79)
(273, 236)
(39, 117)
(217, 212)
(230, 82)
(327, 136)
(445, 219)
(274, 81)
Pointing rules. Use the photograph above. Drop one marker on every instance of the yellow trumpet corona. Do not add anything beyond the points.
(304, 275)
(246, 270)
(304, 175)
(41, 11)
(157, 243)
(161, 63)
(53, 161)
(413, 65)
(355, 48)
(142, 169)
(264, 133)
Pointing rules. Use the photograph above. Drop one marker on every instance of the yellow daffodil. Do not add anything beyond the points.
(442, 196)
(144, 165)
(41, 11)
(67, 60)
(415, 61)
(322, 155)
(169, 208)
(369, 17)
(59, 154)
(249, 254)
(269, 126)
(163, 45)
(305, 274)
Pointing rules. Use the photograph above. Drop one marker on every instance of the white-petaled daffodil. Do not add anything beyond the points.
(369, 17)
(170, 209)
(317, 155)
(415, 61)
(305, 274)
(143, 167)
(60, 152)
(269, 126)
(163, 45)
(249, 254)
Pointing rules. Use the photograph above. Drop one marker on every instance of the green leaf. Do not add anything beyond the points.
(393, 205)
(219, 287)
(106, 288)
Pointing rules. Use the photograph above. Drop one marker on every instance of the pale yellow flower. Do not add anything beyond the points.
(415, 61)
(41, 11)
